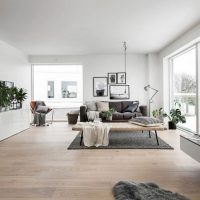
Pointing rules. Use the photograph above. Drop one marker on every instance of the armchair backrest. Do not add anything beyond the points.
(33, 106)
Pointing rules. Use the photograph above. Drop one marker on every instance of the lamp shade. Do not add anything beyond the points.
(146, 87)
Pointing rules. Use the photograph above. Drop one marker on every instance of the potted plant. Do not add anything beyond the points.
(175, 116)
(4, 98)
(20, 96)
(13, 94)
(108, 114)
(158, 113)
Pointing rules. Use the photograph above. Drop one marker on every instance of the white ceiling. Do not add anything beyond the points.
(52, 27)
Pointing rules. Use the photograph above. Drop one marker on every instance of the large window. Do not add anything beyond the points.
(61, 86)
(183, 86)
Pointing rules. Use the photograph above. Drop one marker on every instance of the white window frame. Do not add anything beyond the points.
(171, 81)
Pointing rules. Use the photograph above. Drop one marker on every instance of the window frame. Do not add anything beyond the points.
(195, 46)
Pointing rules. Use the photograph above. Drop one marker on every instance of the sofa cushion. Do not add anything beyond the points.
(92, 115)
(128, 115)
(137, 114)
(117, 105)
(132, 107)
(126, 104)
(117, 116)
(91, 105)
(102, 106)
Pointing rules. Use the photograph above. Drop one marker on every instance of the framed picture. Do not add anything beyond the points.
(100, 86)
(112, 78)
(121, 77)
(119, 92)
(9, 84)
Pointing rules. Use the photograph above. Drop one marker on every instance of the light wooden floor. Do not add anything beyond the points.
(36, 165)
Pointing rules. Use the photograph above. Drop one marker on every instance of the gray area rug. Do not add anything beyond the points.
(126, 140)
(125, 190)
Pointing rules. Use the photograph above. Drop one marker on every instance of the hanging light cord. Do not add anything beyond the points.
(125, 48)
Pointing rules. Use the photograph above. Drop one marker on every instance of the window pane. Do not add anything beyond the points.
(61, 86)
(50, 89)
(69, 89)
(184, 86)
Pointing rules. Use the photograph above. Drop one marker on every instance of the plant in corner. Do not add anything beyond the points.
(175, 116)
(108, 114)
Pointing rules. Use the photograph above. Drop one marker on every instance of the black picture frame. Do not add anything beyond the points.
(100, 86)
(9, 84)
(112, 78)
(119, 92)
(121, 77)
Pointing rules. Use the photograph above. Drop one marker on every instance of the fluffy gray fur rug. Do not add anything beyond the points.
(125, 190)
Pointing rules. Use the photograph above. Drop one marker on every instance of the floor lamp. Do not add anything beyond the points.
(146, 88)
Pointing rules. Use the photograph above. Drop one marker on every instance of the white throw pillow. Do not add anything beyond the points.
(92, 115)
(91, 105)
(102, 106)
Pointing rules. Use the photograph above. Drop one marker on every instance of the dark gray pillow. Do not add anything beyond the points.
(40, 103)
(132, 107)
(42, 109)
(146, 121)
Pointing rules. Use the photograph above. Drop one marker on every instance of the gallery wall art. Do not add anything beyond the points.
(112, 78)
(100, 86)
(119, 92)
(117, 86)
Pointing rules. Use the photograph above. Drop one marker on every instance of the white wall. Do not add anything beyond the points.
(14, 66)
(100, 65)
(154, 79)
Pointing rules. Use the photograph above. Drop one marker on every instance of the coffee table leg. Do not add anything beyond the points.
(149, 134)
(81, 138)
(156, 137)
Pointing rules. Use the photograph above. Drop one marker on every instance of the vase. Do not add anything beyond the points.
(171, 125)
(109, 118)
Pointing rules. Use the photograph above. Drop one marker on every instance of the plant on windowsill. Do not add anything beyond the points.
(108, 114)
(175, 116)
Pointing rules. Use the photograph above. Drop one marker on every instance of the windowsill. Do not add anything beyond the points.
(194, 138)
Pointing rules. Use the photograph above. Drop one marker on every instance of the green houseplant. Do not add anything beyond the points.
(108, 114)
(175, 116)
(20, 96)
(4, 98)
(158, 113)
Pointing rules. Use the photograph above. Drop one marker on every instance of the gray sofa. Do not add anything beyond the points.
(125, 110)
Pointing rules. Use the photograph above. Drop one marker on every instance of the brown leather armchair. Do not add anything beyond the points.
(33, 108)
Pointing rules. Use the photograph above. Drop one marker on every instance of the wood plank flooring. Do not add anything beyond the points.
(36, 165)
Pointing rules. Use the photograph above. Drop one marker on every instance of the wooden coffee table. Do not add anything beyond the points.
(124, 126)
